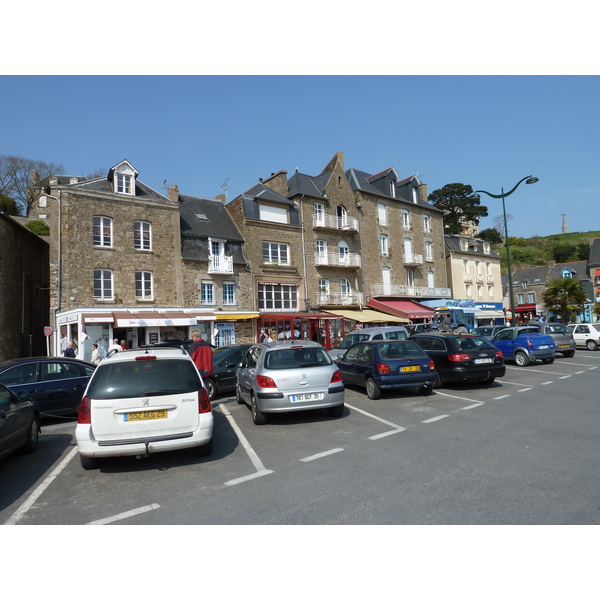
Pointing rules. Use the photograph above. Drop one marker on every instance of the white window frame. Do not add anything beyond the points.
(430, 279)
(345, 287)
(142, 235)
(207, 293)
(106, 287)
(319, 213)
(125, 183)
(382, 216)
(277, 297)
(322, 248)
(343, 253)
(405, 220)
(275, 253)
(143, 285)
(429, 251)
(415, 195)
(274, 214)
(410, 278)
(383, 245)
(427, 223)
(229, 293)
(341, 217)
(101, 224)
(531, 297)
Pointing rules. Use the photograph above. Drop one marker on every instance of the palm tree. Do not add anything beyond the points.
(563, 297)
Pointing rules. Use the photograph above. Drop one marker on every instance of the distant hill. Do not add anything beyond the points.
(537, 251)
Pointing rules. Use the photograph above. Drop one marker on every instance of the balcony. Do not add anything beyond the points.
(335, 259)
(349, 224)
(339, 299)
(404, 291)
(412, 259)
(468, 277)
(479, 278)
(220, 264)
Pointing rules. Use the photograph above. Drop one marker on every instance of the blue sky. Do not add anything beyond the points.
(201, 131)
(199, 98)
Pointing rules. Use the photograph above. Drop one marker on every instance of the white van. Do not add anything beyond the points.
(393, 332)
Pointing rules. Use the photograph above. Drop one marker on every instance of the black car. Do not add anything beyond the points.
(55, 383)
(463, 357)
(19, 422)
(226, 360)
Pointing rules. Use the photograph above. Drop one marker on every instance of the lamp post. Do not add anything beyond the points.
(529, 179)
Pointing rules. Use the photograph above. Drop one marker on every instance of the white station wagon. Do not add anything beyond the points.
(143, 401)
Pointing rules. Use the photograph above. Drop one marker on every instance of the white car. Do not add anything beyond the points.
(586, 335)
(143, 401)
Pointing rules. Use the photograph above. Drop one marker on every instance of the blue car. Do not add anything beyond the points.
(387, 365)
(524, 345)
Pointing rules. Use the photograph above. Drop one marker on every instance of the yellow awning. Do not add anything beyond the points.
(223, 316)
(367, 316)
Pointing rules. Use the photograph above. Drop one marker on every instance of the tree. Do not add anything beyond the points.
(38, 227)
(491, 235)
(563, 297)
(20, 179)
(459, 207)
(8, 206)
(596, 310)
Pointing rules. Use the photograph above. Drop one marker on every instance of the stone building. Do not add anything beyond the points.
(24, 290)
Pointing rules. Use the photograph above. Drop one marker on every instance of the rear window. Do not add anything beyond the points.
(556, 329)
(395, 335)
(297, 358)
(405, 350)
(470, 343)
(354, 338)
(132, 379)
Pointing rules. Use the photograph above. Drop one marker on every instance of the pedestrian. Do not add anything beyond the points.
(201, 354)
(96, 354)
(263, 336)
(70, 351)
(115, 346)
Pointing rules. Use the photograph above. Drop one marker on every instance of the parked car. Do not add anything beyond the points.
(564, 341)
(463, 357)
(387, 365)
(421, 328)
(282, 376)
(393, 332)
(488, 331)
(19, 422)
(55, 383)
(525, 344)
(143, 401)
(174, 344)
(586, 335)
(226, 360)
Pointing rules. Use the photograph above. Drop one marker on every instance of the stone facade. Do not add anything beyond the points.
(24, 293)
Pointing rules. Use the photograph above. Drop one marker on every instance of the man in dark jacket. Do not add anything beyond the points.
(201, 354)
(70, 351)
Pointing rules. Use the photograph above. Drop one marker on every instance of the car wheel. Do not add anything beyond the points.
(211, 387)
(438, 381)
(591, 345)
(238, 394)
(205, 450)
(33, 435)
(487, 380)
(373, 391)
(569, 354)
(258, 417)
(88, 462)
(335, 411)
(426, 390)
(547, 361)
(521, 359)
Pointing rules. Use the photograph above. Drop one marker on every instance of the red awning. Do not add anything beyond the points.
(402, 308)
(525, 308)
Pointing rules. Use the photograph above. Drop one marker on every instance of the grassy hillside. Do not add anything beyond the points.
(537, 251)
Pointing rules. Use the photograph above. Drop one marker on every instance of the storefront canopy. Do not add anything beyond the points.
(369, 316)
(490, 314)
(407, 309)
(224, 316)
(159, 319)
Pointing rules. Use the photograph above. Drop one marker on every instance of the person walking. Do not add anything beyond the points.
(70, 351)
(96, 354)
(201, 354)
(115, 346)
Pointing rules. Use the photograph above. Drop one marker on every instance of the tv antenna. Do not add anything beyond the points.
(225, 188)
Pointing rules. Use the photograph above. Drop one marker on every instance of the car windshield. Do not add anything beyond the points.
(397, 350)
(135, 378)
(556, 329)
(297, 358)
(354, 338)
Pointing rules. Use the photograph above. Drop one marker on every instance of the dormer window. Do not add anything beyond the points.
(415, 195)
(392, 188)
(486, 247)
(464, 244)
(124, 183)
(123, 178)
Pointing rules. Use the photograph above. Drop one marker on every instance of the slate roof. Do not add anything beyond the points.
(307, 185)
(102, 184)
(260, 191)
(533, 275)
(453, 244)
(580, 268)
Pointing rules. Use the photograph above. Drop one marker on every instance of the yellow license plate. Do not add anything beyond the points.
(146, 415)
(407, 369)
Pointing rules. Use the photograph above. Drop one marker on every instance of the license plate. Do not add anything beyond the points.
(564, 346)
(146, 415)
(481, 361)
(306, 397)
(543, 347)
(407, 369)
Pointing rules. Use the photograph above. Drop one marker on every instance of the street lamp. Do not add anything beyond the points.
(529, 179)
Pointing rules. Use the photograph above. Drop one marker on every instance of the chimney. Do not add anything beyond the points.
(173, 193)
(73, 180)
(278, 182)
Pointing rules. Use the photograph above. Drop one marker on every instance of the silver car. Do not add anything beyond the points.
(288, 376)
(563, 338)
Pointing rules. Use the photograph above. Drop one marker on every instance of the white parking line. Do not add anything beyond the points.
(513, 383)
(501, 397)
(546, 382)
(578, 372)
(533, 370)
(125, 515)
(472, 406)
(435, 419)
(524, 390)
(321, 454)
(258, 465)
(458, 397)
(565, 377)
(395, 428)
(40, 489)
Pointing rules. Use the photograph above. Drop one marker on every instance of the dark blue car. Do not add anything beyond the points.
(19, 422)
(387, 365)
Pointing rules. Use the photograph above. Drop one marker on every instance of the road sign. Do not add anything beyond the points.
(48, 331)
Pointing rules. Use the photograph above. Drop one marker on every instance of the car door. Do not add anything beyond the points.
(348, 364)
(581, 334)
(226, 368)
(246, 374)
(505, 342)
(14, 421)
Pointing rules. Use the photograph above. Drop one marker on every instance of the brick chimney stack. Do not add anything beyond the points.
(173, 193)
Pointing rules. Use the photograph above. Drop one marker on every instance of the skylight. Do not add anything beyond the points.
(201, 216)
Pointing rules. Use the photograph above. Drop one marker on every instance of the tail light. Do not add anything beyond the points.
(431, 365)
(84, 415)
(265, 382)
(383, 368)
(499, 354)
(203, 401)
(337, 376)
(530, 343)
(458, 357)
